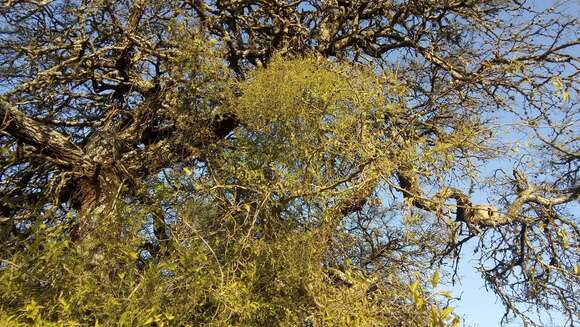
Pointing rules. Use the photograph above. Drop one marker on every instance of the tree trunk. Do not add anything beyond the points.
(97, 180)
(96, 196)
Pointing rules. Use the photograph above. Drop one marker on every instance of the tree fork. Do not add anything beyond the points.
(89, 175)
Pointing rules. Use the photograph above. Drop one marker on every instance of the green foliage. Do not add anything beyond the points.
(284, 162)
(248, 282)
(249, 237)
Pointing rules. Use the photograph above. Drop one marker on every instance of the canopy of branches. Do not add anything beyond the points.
(293, 163)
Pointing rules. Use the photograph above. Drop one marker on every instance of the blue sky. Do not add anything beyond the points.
(478, 306)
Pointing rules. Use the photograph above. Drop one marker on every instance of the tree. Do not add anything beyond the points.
(310, 151)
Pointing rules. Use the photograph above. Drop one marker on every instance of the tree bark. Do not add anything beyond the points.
(95, 184)
(52, 144)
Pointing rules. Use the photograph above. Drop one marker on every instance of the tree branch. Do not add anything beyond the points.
(47, 141)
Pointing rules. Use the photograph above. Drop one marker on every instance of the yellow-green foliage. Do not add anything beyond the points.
(252, 283)
(279, 283)
(311, 122)
(246, 247)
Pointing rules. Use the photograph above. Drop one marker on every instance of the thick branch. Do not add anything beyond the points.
(47, 141)
(480, 216)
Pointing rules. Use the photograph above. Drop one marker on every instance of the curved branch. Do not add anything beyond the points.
(481, 216)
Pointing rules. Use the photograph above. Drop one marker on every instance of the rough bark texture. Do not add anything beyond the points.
(47, 142)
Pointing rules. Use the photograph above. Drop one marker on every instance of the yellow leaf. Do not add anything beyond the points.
(187, 171)
(446, 312)
(565, 96)
(446, 294)
(149, 321)
(435, 279)
(419, 302)
(414, 287)
(132, 254)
